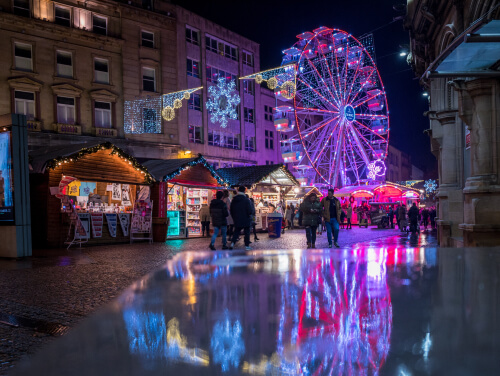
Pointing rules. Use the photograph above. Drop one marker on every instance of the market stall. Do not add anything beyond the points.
(88, 193)
(268, 185)
(183, 186)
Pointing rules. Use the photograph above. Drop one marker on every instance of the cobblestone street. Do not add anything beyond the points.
(42, 297)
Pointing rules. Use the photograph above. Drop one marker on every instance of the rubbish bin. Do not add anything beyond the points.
(274, 221)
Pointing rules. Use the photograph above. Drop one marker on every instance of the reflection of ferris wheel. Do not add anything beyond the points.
(339, 108)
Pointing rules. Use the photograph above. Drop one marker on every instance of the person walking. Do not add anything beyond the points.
(289, 216)
(254, 229)
(204, 215)
(349, 216)
(310, 209)
(230, 223)
(292, 214)
(432, 216)
(391, 216)
(241, 210)
(219, 214)
(425, 217)
(402, 217)
(330, 207)
(413, 215)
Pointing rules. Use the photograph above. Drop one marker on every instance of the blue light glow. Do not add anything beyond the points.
(227, 343)
(222, 102)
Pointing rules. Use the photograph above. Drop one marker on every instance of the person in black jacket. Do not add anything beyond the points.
(242, 211)
(413, 215)
(219, 213)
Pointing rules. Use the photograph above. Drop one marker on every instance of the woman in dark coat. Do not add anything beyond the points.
(311, 209)
(219, 213)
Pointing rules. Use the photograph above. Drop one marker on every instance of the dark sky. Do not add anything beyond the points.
(274, 24)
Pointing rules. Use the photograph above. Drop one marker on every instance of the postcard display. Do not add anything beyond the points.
(142, 219)
(176, 212)
(195, 198)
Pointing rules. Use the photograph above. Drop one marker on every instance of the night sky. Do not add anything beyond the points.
(274, 25)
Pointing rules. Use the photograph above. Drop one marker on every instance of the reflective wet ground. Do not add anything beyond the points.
(366, 310)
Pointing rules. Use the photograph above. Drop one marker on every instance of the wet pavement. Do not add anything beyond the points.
(43, 296)
(375, 308)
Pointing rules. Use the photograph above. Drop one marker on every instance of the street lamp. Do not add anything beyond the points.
(403, 53)
(425, 94)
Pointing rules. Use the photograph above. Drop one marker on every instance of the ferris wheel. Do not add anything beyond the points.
(339, 109)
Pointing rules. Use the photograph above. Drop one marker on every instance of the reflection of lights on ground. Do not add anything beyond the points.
(227, 343)
(426, 345)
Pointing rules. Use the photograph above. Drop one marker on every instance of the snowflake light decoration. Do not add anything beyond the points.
(223, 101)
(376, 168)
(226, 343)
(430, 186)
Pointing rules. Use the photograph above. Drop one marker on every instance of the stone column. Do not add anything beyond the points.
(479, 106)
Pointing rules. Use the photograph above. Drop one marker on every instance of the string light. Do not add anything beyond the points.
(199, 160)
(54, 163)
(288, 90)
(272, 83)
(223, 101)
(177, 103)
(168, 113)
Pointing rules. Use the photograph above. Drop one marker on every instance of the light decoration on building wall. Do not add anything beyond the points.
(376, 168)
(430, 186)
(280, 79)
(222, 101)
(143, 115)
(409, 183)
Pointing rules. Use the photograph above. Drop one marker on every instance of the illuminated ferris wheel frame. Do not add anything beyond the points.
(340, 108)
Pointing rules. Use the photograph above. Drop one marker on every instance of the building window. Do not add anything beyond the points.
(65, 110)
(102, 113)
(99, 24)
(64, 64)
(213, 75)
(25, 104)
(221, 48)
(192, 36)
(269, 139)
(23, 57)
(224, 139)
(248, 115)
(247, 58)
(249, 86)
(195, 134)
(101, 71)
(149, 120)
(193, 68)
(147, 39)
(194, 102)
(62, 16)
(148, 79)
(268, 113)
(249, 143)
(147, 4)
(22, 8)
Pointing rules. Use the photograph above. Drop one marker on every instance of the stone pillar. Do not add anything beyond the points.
(479, 106)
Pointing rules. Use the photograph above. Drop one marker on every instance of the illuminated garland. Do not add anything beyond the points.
(199, 160)
(173, 101)
(59, 161)
(283, 77)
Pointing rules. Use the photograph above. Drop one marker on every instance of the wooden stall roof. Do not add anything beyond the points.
(187, 171)
(90, 161)
(264, 174)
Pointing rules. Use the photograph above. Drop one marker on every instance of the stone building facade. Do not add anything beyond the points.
(464, 118)
(398, 165)
(71, 66)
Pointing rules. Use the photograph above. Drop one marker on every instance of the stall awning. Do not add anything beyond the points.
(303, 192)
(276, 174)
(186, 171)
(476, 52)
(40, 157)
(349, 190)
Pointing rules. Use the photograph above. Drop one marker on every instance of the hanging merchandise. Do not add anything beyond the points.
(97, 221)
(142, 221)
(116, 193)
(124, 222)
(144, 193)
(111, 219)
(126, 195)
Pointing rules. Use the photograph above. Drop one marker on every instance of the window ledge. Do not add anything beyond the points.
(20, 71)
(68, 128)
(34, 126)
(101, 84)
(71, 79)
(105, 132)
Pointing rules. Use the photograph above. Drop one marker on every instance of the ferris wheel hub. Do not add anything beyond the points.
(349, 113)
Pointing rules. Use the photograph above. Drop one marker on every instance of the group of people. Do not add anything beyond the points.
(229, 217)
(416, 217)
(313, 212)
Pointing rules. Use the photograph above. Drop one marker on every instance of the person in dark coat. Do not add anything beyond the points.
(311, 210)
(413, 215)
(391, 216)
(425, 217)
(219, 214)
(242, 211)
(432, 216)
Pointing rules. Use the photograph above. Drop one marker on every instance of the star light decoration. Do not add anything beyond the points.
(430, 186)
(223, 101)
(376, 168)
(281, 78)
(227, 343)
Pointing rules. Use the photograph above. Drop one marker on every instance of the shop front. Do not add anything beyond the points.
(88, 193)
(183, 187)
(268, 186)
